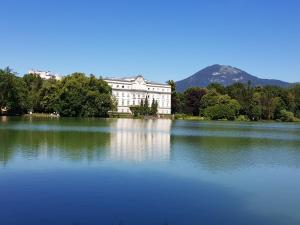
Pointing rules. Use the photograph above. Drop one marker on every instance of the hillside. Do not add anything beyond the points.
(225, 75)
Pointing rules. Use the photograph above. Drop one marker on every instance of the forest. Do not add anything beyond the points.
(237, 102)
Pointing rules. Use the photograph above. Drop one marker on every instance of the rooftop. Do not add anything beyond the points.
(133, 78)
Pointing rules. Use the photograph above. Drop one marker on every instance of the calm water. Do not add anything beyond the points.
(148, 172)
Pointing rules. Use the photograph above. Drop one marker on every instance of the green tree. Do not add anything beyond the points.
(218, 87)
(295, 91)
(225, 108)
(49, 96)
(12, 92)
(192, 99)
(216, 106)
(33, 84)
(84, 96)
(153, 110)
(176, 105)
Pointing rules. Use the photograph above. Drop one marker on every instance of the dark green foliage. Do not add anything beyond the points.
(33, 84)
(295, 95)
(192, 98)
(217, 106)
(175, 98)
(143, 109)
(79, 95)
(287, 116)
(154, 106)
(218, 87)
(13, 93)
(75, 95)
(246, 101)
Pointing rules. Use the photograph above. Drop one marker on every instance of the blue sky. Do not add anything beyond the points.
(160, 39)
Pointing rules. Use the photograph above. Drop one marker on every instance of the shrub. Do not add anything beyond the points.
(242, 118)
(287, 116)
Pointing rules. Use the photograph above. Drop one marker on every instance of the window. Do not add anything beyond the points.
(122, 86)
(117, 86)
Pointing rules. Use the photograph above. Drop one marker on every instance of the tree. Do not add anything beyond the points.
(49, 96)
(33, 84)
(175, 98)
(12, 92)
(84, 96)
(225, 108)
(270, 102)
(146, 106)
(153, 110)
(217, 106)
(192, 98)
(287, 116)
(295, 91)
(218, 87)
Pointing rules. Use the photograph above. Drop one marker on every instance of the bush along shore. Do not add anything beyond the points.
(78, 95)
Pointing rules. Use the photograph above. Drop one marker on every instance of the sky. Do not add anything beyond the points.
(160, 39)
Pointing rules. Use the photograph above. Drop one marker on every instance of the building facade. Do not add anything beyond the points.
(130, 91)
(45, 74)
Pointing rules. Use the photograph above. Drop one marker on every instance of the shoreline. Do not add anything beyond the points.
(171, 117)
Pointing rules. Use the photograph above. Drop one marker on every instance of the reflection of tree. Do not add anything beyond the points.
(227, 153)
(74, 145)
(6, 147)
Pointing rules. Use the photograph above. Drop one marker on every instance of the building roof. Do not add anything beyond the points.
(131, 79)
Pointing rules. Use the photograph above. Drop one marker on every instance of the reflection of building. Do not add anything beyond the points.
(139, 140)
(130, 91)
(45, 74)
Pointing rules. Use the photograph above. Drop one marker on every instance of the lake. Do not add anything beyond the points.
(148, 172)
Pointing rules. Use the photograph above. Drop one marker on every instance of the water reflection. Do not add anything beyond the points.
(137, 140)
(121, 139)
(213, 146)
(67, 145)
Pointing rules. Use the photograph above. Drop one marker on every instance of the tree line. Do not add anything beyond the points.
(75, 95)
(79, 95)
(237, 101)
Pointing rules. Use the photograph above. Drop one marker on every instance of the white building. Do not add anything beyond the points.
(131, 90)
(45, 74)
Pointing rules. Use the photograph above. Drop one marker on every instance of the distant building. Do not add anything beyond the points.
(131, 90)
(45, 74)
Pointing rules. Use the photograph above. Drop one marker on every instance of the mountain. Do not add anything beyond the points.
(225, 75)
